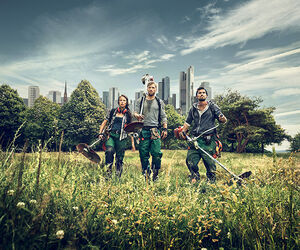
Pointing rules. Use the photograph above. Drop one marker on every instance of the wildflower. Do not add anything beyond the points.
(75, 208)
(228, 235)
(20, 204)
(60, 234)
(124, 214)
(114, 221)
(32, 201)
(206, 201)
(156, 228)
(10, 192)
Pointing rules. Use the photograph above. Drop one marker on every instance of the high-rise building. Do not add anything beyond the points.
(186, 89)
(113, 97)
(164, 89)
(182, 92)
(208, 88)
(33, 94)
(174, 100)
(54, 96)
(105, 98)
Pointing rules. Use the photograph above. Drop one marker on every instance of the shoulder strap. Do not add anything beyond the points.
(159, 110)
(141, 103)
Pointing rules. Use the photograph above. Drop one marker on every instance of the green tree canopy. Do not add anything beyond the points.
(295, 143)
(81, 117)
(42, 121)
(174, 121)
(12, 110)
(247, 122)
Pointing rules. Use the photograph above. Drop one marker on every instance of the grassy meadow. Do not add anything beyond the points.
(63, 201)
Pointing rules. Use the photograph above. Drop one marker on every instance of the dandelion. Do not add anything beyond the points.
(32, 202)
(20, 204)
(75, 208)
(10, 192)
(60, 234)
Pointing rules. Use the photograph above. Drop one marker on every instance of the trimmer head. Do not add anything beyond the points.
(89, 153)
(134, 127)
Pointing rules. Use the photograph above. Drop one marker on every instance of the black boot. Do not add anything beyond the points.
(155, 174)
(119, 168)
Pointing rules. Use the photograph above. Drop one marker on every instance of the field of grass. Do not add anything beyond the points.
(50, 201)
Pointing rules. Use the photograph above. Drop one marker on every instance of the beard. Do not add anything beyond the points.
(151, 94)
(201, 99)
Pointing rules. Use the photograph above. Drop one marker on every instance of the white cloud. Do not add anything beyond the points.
(248, 21)
(138, 61)
(294, 112)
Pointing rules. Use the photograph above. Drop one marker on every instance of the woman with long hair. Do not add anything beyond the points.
(117, 119)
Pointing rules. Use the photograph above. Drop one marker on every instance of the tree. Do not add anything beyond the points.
(81, 117)
(174, 121)
(247, 122)
(11, 114)
(42, 121)
(295, 143)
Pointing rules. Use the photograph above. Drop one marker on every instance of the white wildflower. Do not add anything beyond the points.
(60, 234)
(20, 204)
(75, 208)
(32, 201)
(115, 222)
(10, 192)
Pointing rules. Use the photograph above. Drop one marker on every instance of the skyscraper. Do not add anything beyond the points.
(113, 97)
(54, 96)
(33, 94)
(174, 100)
(182, 92)
(105, 98)
(208, 88)
(186, 89)
(137, 96)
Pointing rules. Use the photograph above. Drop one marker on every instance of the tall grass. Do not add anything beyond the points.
(77, 207)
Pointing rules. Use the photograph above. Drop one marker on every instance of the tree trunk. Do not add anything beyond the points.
(262, 148)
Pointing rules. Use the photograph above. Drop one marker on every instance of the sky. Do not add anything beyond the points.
(251, 46)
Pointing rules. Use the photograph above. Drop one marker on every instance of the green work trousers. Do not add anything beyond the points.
(114, 145)
(195, 155)
(149, 146)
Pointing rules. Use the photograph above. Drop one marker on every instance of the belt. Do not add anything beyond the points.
(116, 132)
(149, 127)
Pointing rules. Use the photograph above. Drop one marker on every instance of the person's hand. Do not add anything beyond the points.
(164, 134)
(222, 118)
(139, 117)
(101, 136)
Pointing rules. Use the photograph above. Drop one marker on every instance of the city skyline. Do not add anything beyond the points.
(251, 46)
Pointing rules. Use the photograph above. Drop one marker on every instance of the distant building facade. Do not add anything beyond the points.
(113, 97)
(164, 89)
(208, 88)
(33, 94)
(186, 89)
(54, 96)
(105, 98)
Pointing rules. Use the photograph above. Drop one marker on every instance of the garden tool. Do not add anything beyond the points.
(237, 177)
(88, 152)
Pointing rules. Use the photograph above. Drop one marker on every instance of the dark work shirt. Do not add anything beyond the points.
(205, 121)
(117, 124)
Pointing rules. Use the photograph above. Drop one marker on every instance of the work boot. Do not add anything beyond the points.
(155, 174)
(119, 168)
(147, 174)
(108, 171)
(194, 177)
